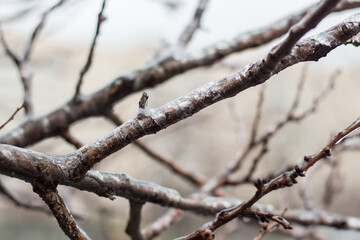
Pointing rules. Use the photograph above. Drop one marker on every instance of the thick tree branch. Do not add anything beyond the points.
(110, 185)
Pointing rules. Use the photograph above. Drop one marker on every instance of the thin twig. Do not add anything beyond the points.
(292, 115)
(255, 161)
(286, 179)
(12, 116)
(36, 206)
(168, 219)
(327, 89)
(189, 31)
(84, 70)
(224, 177)
(299, 90)
(333, 184)
(272, 226)
(257, 117)
(71, 139)
(306, 196)
(187, 174)
(19, 203)
(22, 62)
(38, 29)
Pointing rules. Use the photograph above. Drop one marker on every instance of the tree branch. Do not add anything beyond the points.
(62, 214)
(84, 70)
(95, 104)
(12, 116)
(22, 62)
(187, 174)
(133, 227)
(286, 179)
(189, 31)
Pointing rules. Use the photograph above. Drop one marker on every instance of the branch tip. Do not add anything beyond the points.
(143, 101)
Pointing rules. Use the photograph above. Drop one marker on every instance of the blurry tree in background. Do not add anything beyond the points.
(213, 191)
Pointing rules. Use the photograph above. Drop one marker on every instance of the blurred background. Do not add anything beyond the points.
(206, 141)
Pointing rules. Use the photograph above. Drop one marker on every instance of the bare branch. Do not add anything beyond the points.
(292, 115)
(45, 172)
(20, 203)
(329, 86)
(307, 197)
(169, 218)
(38, 29)
(333, 184)
(309, 22)
(133, 227)
(286, 179)
(71, 139)
(256, 161)
(22, 62)
(101, 19)
(36, 206)
(224, 177)
(274, 225)
(60, 211)
(187, 174)
(257, 116)
(299, 90)
(12, 116)
(189, 31)
(13, 56)
(100, 101)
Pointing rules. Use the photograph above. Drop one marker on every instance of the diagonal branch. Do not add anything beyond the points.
(95, 104)
(37, 29)
(153, 120)
(71, 139)
(84, 70)
(12, 116)
(187, 174)
(169, 218)
(286, 179)
(189, 31)
(292, 115)
(60, 211)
